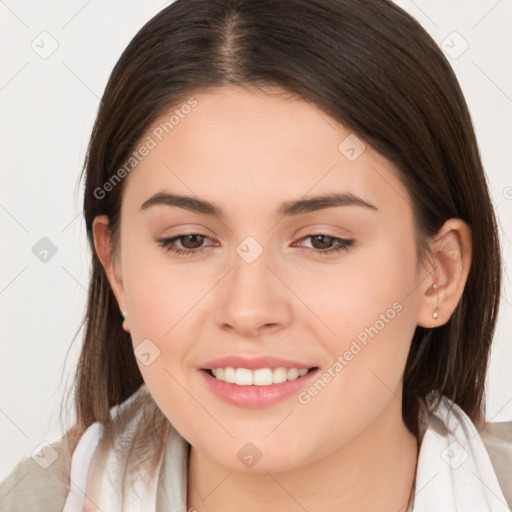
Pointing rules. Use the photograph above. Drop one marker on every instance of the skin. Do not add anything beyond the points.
(348, 448)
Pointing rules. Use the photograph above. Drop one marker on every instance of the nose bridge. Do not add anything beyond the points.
(250, 278)
(253, 296)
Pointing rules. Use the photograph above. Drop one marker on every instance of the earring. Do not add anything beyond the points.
(434, 314)
(125, 316)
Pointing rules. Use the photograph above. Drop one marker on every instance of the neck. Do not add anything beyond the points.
(374, 471)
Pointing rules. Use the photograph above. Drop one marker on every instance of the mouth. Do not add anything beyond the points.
(266, 376)
(256, 381)
(258, 387)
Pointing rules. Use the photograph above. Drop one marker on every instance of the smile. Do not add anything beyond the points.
(258, 377)
(258, 388)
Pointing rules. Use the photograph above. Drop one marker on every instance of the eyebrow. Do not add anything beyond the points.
(286, 209)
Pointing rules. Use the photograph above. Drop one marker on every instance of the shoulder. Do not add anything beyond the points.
(41, 482)
(497, 438)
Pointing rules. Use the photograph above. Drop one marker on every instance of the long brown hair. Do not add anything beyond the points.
(367, 64)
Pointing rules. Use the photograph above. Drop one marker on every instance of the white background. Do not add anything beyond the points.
(47, 109)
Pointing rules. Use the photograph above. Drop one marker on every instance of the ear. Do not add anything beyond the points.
(102, 244)
(450, 263)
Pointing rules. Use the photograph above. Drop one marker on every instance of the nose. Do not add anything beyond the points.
(253, 298)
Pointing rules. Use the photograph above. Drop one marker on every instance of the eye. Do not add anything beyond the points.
(192, 243)
(320, 241)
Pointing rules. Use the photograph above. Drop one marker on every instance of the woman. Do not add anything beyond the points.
(296, 274)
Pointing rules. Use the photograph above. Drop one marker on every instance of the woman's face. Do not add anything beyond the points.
(257, 285)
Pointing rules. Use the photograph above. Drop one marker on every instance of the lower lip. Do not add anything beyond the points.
(256, 396)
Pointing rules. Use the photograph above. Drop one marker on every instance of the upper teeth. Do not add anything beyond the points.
(259, 377)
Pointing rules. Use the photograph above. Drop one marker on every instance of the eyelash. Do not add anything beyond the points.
(343, 244)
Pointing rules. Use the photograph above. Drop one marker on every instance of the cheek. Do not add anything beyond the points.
(370, 309)
(161, 300)
(159, 292)
(164, 302)
(371, 290)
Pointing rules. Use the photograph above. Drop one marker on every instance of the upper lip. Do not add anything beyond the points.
(253, 363)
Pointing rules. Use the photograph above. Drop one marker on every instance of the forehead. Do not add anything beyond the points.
(245, 149)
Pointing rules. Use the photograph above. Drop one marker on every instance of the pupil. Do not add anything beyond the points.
(190, 238)
(323, 239)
